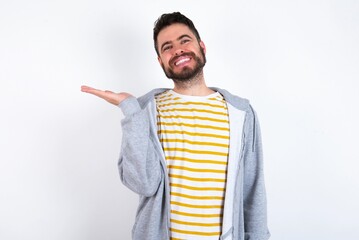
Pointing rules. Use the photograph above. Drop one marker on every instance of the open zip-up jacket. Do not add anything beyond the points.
(142, 168)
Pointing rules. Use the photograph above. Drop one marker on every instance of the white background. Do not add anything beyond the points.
(297, 61)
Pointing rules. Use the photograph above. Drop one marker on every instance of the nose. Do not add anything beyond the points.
(178, 51)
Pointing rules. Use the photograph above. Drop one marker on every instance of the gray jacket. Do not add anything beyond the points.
(142, 169)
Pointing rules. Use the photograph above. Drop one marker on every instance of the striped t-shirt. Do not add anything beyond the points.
(194, 132)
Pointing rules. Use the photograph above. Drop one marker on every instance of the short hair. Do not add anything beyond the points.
(168, 19)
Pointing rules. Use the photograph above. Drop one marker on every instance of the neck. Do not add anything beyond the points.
(195, 86)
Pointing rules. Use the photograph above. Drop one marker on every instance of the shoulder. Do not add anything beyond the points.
(236, 101)
(148, 97)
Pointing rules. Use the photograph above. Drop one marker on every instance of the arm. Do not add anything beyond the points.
(139, 163)
(255, 203)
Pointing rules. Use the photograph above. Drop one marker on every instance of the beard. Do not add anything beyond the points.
(187, 73)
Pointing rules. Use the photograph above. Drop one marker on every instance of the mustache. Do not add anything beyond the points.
(188, 54)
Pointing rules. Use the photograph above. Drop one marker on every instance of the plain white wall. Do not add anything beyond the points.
(297, 61)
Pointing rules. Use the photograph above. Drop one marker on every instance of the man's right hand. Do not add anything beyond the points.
(111, 97)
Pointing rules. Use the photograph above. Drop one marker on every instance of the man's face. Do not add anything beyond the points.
(181, 56)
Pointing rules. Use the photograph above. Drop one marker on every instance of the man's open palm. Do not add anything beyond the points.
(111, 97)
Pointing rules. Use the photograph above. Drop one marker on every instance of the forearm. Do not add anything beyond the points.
(139, 163)
(255, 201)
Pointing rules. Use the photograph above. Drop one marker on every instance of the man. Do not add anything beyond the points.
(192, 153)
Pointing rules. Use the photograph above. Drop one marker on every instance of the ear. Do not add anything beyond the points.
(203, 46)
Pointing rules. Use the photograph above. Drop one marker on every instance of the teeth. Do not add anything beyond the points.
(182, 61)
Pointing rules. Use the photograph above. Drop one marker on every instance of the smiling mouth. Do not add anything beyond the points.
(183, 60)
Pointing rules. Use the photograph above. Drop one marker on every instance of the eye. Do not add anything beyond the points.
(183, 41)
(166, 48)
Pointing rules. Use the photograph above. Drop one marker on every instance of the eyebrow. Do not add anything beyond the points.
(179, 38)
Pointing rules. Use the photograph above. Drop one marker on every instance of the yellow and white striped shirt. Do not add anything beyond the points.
(194, 132)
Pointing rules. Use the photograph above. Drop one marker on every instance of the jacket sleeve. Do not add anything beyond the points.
(254, 193)
(139, 163)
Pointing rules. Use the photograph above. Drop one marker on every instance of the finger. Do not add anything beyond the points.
(87, 88)
(107, 95)
(96, 92)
